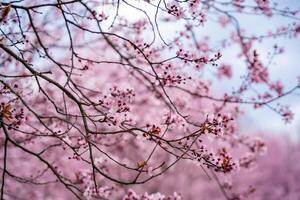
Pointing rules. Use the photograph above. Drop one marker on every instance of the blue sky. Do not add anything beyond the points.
(284, 67)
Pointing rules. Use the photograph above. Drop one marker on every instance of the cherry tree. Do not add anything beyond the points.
(105, 99)
(271, 176)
